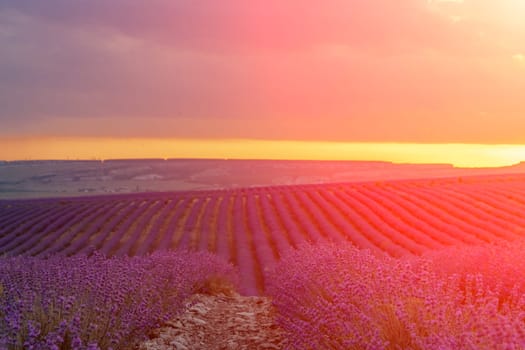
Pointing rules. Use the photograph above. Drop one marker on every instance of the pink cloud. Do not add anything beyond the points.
(380, 70)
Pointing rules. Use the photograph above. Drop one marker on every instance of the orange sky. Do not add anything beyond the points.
(381, 71)
(461, 155)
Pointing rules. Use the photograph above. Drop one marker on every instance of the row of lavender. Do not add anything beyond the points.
(99, 303)
(253, 227)
(326, 297)
(341, 297)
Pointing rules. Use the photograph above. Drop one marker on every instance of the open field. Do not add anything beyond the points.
(253, 227)
(33, 179)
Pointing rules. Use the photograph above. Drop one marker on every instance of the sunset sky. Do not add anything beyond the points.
(337, 71)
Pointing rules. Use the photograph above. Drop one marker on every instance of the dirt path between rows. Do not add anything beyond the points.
(220, 322)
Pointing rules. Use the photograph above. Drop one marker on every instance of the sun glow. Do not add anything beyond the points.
(460, 155)
(513, 10)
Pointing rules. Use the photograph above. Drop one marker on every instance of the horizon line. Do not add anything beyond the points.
(470, 155)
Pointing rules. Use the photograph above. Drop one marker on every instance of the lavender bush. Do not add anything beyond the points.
(97, 302)
(339, 297)
(501, 264)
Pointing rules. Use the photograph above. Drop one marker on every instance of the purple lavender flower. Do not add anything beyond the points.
(96, 302)
(340, 297)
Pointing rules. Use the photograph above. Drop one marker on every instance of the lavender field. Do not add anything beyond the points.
(430, 253)
(98, 303)
(341, 297)
(251, 228)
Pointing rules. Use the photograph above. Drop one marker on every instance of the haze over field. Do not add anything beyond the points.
(36, 179)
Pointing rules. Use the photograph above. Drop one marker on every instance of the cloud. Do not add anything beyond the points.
(246, 25)
(355, 69)
(194, 59)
